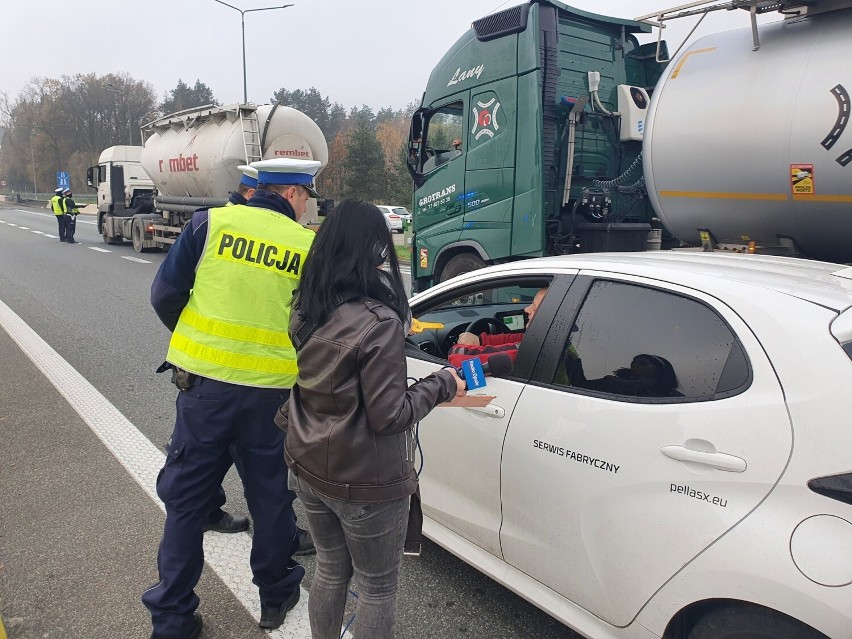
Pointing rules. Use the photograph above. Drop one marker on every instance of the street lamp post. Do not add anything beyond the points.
(243, 13)
(124, 94)
(32, 154)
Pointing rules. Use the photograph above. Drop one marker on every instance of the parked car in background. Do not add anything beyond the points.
(394, 216)
(635, 475)
(405, 214)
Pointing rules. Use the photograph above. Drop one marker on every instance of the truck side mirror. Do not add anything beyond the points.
(415, 138)
(91, 178)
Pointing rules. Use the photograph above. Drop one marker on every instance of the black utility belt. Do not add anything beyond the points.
(180, 378)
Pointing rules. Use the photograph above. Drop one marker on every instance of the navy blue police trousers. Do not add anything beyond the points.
(62, 221)
(212, 417)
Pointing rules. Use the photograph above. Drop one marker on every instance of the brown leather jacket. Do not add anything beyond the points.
(350, 415)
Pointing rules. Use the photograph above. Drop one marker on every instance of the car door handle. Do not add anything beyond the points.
(721, 461)
(492, 410)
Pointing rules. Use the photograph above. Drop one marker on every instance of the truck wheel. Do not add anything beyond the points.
(748, 621)
(137, 233)
(463, 263)
(110, 240)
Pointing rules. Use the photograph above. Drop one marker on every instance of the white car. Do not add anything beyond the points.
(671, 455)
(394, 216)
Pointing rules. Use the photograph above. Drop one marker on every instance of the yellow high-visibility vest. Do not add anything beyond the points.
(56, 203)
(234, 327)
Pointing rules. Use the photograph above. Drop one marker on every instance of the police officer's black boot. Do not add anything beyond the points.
(271, 618)
(224, 522)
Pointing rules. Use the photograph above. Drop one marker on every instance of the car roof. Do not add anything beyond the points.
(823, 283)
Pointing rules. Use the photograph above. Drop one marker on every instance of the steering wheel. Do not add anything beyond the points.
(485, 324)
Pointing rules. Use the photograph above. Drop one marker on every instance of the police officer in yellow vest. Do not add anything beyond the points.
(225, 290)
(57, 203)
(220, 520)
(246, 187)
(71, 213)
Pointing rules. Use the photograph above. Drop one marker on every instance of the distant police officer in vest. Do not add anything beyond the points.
(225, 290)
(71, 213)
(57, 203)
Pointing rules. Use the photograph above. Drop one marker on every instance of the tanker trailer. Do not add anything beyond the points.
(746, 145)
(192, 158)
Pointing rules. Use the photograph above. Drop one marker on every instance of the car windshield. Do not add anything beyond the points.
(496, 296)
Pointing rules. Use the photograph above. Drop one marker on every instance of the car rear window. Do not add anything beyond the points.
(636, 341)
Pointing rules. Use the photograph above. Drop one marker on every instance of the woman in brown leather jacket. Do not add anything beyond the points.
(348, 423)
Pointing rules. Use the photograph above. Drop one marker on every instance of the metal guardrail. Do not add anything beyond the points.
(43, 198)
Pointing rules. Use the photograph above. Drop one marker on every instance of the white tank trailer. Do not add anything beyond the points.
(192, 158)
(756, 145)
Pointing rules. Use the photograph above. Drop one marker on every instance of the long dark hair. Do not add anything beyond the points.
(342, 261)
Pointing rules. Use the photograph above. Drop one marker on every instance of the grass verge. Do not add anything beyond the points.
(403, 253)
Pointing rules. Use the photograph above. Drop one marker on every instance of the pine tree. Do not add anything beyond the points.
(366, 177)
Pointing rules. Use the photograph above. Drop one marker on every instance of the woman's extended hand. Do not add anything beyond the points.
(461, 386)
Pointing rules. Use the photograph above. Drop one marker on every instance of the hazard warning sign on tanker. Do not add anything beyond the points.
(802, 179)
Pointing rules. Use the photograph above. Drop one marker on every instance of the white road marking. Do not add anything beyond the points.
(135, 259)
(24, 228)
(227, 555)
(99, 249)
(10, 224)
(55, 237)
(79, 221)
(38, 232)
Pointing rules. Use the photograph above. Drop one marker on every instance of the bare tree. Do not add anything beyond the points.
(63, 125)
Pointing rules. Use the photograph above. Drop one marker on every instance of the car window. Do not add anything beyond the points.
(400, 211)
(499, 306)
(511, 294)
(635, 341)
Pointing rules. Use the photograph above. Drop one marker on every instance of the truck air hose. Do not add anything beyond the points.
(622, 180)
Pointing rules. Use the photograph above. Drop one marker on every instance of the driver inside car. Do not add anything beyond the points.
(485, 344)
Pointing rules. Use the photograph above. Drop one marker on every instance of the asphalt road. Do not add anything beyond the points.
(78, 535)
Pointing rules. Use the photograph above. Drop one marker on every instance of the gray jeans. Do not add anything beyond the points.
(366, 538)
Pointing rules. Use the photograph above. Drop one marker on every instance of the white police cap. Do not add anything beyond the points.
(288, 171)
(249, 178)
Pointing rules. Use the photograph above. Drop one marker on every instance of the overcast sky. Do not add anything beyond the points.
(373, 52)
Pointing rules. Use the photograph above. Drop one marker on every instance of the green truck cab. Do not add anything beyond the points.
(511, 157)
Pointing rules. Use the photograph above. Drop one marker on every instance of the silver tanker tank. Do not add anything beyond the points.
(755, 145)
(195, 153)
